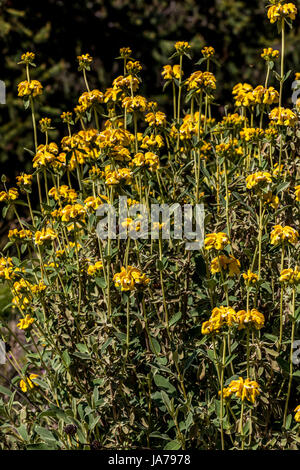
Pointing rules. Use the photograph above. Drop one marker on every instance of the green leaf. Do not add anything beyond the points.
(45, 434)
(173, 445)
(161, 382)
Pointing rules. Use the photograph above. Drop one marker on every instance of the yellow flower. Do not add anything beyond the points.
(133, 67)
(271, 199)
(297, 415)
(230, 265)
(156, 119)
(252, 318)
(95, 268)
(24, 180)
(208, 52)
(270, 54)
(283, 117)
(25, 322)
(84, 61)
(16, 234)
(182, 46)
(282, 234)
(290, 276)
(44, 235)
(250, 277)
(169, 72)
(220, 316)
(28, 57)
(32, 88)
(28, 383)
(11, 195)
(130, 278)
(243, 389)
(260, 178)
(297, 192)
(279, 12)
(125, 52)
(135, 103)
(216, 241)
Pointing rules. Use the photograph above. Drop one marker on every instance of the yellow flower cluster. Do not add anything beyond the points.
(182, 46)
(228, 264)
(243, 389)
(25, 291)
(47, 155)
(246, 96)
(208, 52)
(252, 318)
(130, 278)
(70, 212)
(270, 54)
(201, 81)
(260, 178)
(28, 57)
(230, 149)
(88, 99)
(135, 103)
(63, 192)
(216, 241)
(24, 180)
(297, 192)
(25, 322)
(290, 276)
(10, 195)
(250, 277)
(94, 269)
(169, 72)
(32, 88)
(283, 117)
(220, 316)
(16, 234)
(7, 270)
(282, 234)
(45, 235)
(252, 134)
(29, 383)
(297, 415)
(156, 119)
(281, 11)
(113, 177)
(149, 158)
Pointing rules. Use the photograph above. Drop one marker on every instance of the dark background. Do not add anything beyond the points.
(57, 31)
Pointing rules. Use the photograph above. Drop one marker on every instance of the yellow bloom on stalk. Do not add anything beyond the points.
(72, 212)
(279, 12)
(133, 67)
(297, 192)
(290, 276)
(66, 116)
(220, 316)
(201, 81)
(135, 103)
(25, 322)
(24, 180)
(182, 46)
(152, 141)
(94, 269)
(29, 383)
(271, 199)
(8, 196)
(125, 52)
(230, 149)
(297, 415)
(169, 72)
(260, 178)
(84, 61)
(252, 318)
(45, 155)
(243, 95)
(16, 234)
(63, 192)
(283, 117)
(28, 57)
(250, 134)
(228, 264)
(282, 234)
(7, 270)
(44, 235)
(208, 52)
(32, 88)
(130, 278)
(216, 241)
(243, 389)
(149, 158)
(156, 119)
(113, 177)
(92, 202)
(270, 54)
(250, 277)
(89, 98)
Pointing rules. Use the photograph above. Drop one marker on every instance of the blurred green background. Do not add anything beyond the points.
(58, 30)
